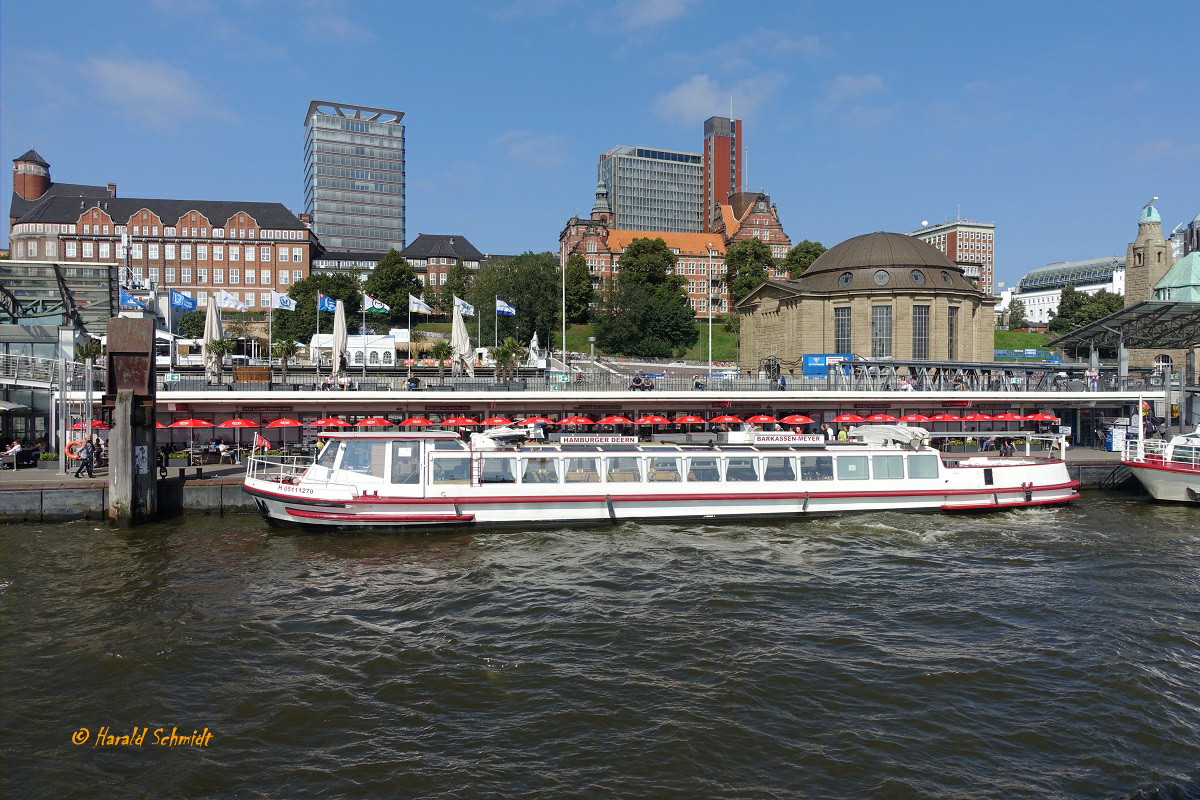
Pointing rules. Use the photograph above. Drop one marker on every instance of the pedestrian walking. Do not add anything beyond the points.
(86, 454)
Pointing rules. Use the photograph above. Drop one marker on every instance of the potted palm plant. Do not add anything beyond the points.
(285, 350)
(441, 351)
(221, 348)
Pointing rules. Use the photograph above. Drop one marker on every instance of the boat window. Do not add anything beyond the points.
(582, 470)
(779, 468)
(365, 457)
(406, 462)
(624, 469)
(887, 466)
(540, 470)
(452, 469)
(924, 466)
(329, 454)
(664, 470)
(741, 468)
(498, 470)
(852, 468)
(703, 469)
(816, 468)
(448, 444)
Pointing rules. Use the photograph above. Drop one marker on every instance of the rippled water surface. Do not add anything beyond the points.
(1037, 653)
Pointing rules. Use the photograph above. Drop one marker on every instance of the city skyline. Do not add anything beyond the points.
(1055, 125)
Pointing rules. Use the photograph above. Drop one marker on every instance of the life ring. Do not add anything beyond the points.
(73, 449)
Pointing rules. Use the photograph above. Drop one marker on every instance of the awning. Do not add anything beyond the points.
(8, 405)
(1150, 325)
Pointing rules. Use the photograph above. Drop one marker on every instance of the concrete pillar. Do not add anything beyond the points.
(1187, 411)
(1122, 363)
(132, 482)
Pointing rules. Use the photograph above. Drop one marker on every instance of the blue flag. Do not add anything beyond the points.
(126, 299)
(182, 301)
(504, 309)
(326, 303)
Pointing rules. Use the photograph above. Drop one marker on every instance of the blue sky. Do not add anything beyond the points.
(1055, 121)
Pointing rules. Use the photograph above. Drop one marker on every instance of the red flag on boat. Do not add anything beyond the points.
(261, 441)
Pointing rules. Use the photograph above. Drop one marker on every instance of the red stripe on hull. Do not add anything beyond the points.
(295, 512)
(997, 506)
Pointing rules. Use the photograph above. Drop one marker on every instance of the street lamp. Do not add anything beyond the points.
(592, 349)
(710, 305)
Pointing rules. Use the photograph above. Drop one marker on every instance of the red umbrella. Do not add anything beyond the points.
(760, 419)
(329, 422)
(615, 420)
(374, 422)
(915, 418)
(881, 418)
(237, 422)
(977, 418)
(726, 419)
(1040, 417)
(945, 418)
(689, 419)
(576, 421)
(413, 422)
(848, 418)
(452, 421)
(652, 419)
(159, 425)
(1008, 417)
(796, 419)
(285, 422)
(537, 421)
(97, 425)
(496, 421)
(191, 423)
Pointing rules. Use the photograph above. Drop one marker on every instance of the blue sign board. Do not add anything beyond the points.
(817, 365)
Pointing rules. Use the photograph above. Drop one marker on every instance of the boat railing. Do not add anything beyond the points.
(1160, 451)
(278, 469)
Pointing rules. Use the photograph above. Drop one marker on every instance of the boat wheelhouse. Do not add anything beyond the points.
(1170, 470)
(401, 481)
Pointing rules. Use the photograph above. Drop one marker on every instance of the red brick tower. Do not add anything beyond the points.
(31, 175)
(722, 164)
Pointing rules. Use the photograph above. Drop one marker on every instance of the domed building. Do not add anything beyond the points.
(879, 296)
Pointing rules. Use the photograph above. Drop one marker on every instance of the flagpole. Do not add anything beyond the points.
(270, 332)
(496, 321)
(564, 322)
(410, 336)
(364, 333)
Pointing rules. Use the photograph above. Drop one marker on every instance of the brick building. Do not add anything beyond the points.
(434, 255)
(195, 246)
(722, 165)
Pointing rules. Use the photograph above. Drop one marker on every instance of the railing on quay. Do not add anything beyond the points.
(42, 373)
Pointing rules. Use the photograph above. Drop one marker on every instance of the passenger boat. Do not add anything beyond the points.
(402, 481)
(1170, 470)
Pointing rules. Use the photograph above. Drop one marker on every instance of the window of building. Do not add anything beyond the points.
(842, 329)
(250, 251)
(249, 298)
(135, 249)
(89, 250)
(297, 254)
(169, 252)
(185, 275)
(264, 299)
(202, 300)
(185, 251)
(154, 274)
(920, 332)
(250, 275)
(201, 276)
(152, 250)
(218, 252)
(283, 276)
(881, 331)
(52, 249)
(71, 250)
(235, 276)
(170, 274)
(265, 254)
(218, 276)
(297, 276)
(284, 254)
(591, 247)
(235, 253)
(201, 252)
(952, 333)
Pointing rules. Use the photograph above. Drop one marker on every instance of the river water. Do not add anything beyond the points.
(1035, 653)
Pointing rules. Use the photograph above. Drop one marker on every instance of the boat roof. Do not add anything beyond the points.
(387, 435)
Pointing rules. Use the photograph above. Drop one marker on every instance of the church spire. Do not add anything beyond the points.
(601, 206)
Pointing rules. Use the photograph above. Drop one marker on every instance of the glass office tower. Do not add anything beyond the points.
(654, 190)
(354, 176)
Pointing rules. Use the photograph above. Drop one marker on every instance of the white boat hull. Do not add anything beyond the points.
(1164, 482)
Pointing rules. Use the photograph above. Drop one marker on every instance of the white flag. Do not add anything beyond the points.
(282, 301)
(418, 305)
(468, 310)
(373, 306)
(231, 301)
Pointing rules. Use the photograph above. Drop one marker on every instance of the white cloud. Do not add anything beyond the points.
(847, 87)
(540, 150)
(522, 9)
(846, 97)
(326, 21)
(151, 91)
(633, 15)
(1168, 149)
(700, 97)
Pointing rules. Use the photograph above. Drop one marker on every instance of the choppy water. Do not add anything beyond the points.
(1038, 653)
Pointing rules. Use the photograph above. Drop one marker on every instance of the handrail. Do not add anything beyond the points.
(37, 370)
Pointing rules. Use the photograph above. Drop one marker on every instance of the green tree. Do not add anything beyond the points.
(285, 350)
(301, 324)
(1076, 309)
(458, 284)
(190, 324)
(801, 257)
(746, 264)
(1016, 315)
(529, 283)
(507, 356)
(441, 350)
(221, 348)
(579, 289)
(89, 349)
(391, 282)
(646, 312)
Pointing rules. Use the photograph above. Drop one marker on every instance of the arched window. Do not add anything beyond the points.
(358, 357)
(387, 356)
(373, 360)
(1162, 364)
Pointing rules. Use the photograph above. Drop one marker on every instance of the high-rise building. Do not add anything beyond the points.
(968, 244)
(722, 165)
(654, 190)
(354, 176)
